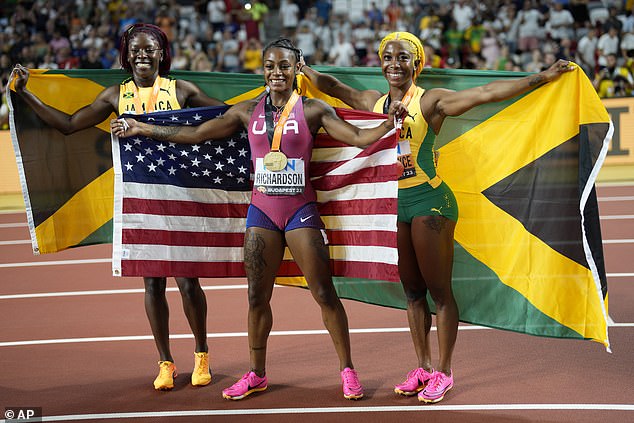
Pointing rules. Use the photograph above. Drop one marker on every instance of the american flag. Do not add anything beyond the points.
(180, 209)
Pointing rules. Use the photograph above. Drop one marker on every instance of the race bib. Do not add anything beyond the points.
(289, 181)
(405, 157)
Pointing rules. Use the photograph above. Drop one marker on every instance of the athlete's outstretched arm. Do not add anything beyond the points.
(219, 127)
(454, 103)
(328, 84)
(343, 131)
(86, 117)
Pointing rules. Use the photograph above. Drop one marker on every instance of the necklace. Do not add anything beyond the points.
(275, 160)
(278, 110)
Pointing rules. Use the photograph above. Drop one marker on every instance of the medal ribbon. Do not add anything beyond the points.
(398, 123)
(406, 99)
(279, 125)
(150, 105)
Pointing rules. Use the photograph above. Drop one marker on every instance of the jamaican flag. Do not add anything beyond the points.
(528, 248)
(67, 181)
(528, 245)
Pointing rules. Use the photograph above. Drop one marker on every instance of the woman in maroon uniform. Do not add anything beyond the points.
(281, 127)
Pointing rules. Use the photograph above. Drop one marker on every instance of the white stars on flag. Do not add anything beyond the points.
(221, 163)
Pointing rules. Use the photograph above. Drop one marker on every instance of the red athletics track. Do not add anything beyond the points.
(75, 341)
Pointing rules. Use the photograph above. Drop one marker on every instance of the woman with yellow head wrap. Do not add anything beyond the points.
(427, 209)
(415, 48)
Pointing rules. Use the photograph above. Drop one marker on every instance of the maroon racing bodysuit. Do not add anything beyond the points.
(297, 145)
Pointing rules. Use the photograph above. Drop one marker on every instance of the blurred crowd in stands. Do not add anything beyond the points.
(228, 35)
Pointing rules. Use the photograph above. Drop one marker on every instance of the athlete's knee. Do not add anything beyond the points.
(189, 288)
(154, 287)
(415, 292)
(257, 298)
(442, 297)
(326, 296)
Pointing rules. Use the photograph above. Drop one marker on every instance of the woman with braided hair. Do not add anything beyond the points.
(144, 53)
(276, 219)
(427, 208)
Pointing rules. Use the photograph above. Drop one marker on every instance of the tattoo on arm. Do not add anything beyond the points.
(163, 132)
(536, 80)
(254, 262)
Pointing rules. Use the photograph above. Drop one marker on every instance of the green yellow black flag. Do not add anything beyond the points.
(529, 254)
(67, 181)
(528, 246)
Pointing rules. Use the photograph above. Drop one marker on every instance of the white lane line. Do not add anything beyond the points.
(16, 242)
(618, 241)
(55, 262)
(621, 198)
(241, 335)
(332, 410)
(211, 335)
(13, 225)
(169, 289)
(109, 260)
(112, 292)
(617, 217)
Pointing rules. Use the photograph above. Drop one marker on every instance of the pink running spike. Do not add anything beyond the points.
(249, 384)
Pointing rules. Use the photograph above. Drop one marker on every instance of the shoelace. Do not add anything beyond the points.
(165, 370)
(411, 374)
(252, 381)
(435, 381)
(351, 379)
(203, 364)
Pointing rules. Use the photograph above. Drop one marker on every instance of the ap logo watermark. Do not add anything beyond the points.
(26, 414)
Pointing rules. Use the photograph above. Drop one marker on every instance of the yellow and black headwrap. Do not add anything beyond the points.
(416, 48)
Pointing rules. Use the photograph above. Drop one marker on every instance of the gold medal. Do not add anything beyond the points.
(275, 161)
